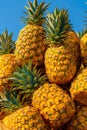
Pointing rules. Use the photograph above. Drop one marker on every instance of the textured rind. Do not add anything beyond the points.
(30, 44)
(8, 64)
(54, 104)
(25, 118)
(60, 65)
(79, 120)
(63, 61)
(78, 88)
(72, 43)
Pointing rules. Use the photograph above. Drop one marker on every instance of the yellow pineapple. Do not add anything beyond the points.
(8, 61)
(54, 104)
(62, 56)
(79, 120)
(18, 114)
(30, 44)
(78, 89)
(26, 118)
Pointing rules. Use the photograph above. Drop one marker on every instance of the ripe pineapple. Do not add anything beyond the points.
(78, 88)
(62, 55)
(26, 80)
(79, 120)
(54, 104)
(26, 118)
(18, 114)
(30, 44)
(8, 61)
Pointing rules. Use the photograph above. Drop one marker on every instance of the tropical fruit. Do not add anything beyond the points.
(8, 61)
(26, 118)
(62, 54)
(18, 115)
(79, 120)
(54, 104)
(30, 45)
(78, 89)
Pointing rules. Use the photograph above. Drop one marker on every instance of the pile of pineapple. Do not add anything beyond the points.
(43, 75)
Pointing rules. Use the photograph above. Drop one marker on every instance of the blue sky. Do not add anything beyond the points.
(12, 10)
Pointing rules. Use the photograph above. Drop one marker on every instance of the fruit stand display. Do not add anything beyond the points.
(43, 75)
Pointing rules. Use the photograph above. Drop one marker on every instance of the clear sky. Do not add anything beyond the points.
(12, 10)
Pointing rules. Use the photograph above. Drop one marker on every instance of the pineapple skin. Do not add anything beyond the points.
(73, 43)
(8, 64)
(78, 89)
(26, 118)
(60, 65)
(30, 45)
(63, 62)
(54, 105)
(83, 47)
(79, 120)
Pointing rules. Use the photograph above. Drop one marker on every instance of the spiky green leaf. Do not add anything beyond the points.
(35, 13)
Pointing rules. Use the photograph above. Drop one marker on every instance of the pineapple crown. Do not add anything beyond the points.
(57, 26)
(27, 79)
(7, 45)
(35, 13)
(84, 31)
(80, 34)
(11, 102)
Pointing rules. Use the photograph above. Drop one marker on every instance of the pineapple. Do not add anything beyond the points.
(26, 117)
(62, 56)
(18, 114)
(78, 89)
(79, 120)
(54, 104)
(30, 45)
(8, 61)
